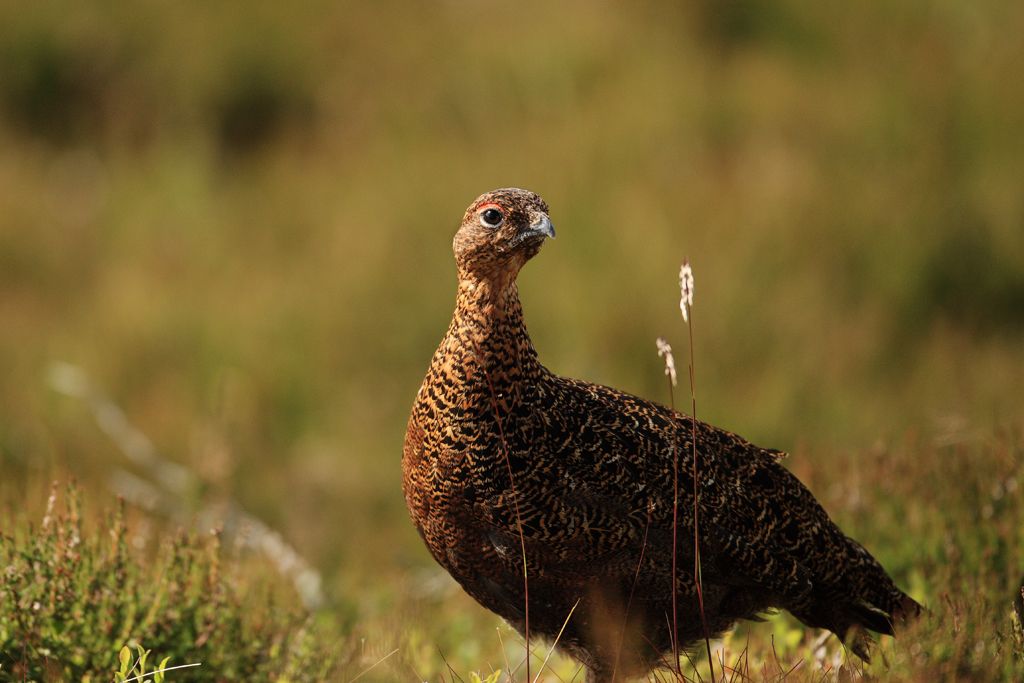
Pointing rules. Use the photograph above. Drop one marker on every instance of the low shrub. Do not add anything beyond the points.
(71, 598)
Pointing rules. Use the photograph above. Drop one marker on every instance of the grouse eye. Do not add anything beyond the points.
(491, 218)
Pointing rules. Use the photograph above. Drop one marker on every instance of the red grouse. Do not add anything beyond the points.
(504, 460)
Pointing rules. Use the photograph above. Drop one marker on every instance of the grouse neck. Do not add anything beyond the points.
(488, 325)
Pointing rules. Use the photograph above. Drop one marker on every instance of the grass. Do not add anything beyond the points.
(260, 294)
(686, 284)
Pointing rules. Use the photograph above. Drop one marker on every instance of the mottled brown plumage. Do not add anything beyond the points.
(494, 437)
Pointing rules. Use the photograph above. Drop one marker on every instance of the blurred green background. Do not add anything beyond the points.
(236, 217)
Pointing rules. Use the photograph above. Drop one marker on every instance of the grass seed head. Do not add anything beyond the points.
(665, 351)
(685, 290)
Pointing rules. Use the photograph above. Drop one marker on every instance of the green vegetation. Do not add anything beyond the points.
(133, 666)
(71, 598)
(236, 219)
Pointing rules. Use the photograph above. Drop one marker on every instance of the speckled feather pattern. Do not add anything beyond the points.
(594, 471)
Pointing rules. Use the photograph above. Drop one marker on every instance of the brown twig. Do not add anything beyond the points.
(685, 304)
(698, 575)
(519, 520)
(629, 602)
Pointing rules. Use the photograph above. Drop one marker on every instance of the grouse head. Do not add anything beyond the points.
(500, 232)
